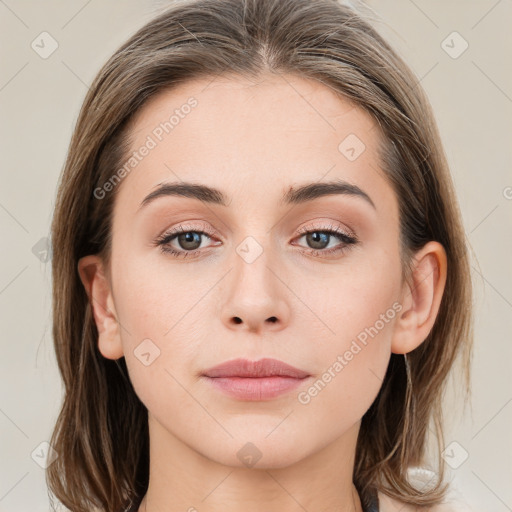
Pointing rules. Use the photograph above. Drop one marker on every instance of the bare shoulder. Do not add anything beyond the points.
(387, 504)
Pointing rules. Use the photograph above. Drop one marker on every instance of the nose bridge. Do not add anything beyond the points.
(256, 296)
(253, 262)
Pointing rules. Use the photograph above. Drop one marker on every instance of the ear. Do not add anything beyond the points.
(420, 299)
(97, 286)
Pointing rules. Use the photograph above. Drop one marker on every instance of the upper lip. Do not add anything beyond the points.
(256, 369)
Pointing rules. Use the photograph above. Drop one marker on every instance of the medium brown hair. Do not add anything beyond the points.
(101, 434)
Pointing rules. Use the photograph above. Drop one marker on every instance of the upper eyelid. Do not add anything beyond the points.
(333, 227)
(184, 228)
(327, 224)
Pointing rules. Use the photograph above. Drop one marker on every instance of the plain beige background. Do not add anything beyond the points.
(470, 89)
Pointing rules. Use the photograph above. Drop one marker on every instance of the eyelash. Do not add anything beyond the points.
(164, 240)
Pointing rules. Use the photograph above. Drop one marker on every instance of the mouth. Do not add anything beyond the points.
(255, 369)
(253, 381)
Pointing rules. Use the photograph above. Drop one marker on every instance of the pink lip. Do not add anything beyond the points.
(258, 380)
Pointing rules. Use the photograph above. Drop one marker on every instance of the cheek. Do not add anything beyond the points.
(348, 299)
(355, 311)
(155, 299)
(161, 324)
(361, 309)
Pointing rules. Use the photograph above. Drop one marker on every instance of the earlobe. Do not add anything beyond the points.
(421, 299)
(97, 286)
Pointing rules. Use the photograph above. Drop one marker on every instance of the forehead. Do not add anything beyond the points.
(254, 139)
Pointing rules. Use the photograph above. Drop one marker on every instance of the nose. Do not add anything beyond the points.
(257, 296)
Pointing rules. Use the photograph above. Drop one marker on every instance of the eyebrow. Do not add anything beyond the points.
(296, 195)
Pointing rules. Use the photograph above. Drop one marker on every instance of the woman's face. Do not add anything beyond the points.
(248, 280)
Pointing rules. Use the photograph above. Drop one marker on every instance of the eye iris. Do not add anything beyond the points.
(318, 237)
(190, 237)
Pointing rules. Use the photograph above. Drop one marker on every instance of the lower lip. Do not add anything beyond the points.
(254, 389)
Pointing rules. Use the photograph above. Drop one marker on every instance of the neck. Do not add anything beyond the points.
(182, 479)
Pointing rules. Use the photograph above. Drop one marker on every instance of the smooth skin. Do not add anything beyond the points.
(254, 140)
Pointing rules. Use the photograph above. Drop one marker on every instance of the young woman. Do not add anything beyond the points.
(260, 272)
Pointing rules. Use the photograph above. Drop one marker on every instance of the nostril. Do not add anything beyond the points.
(237, 320)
